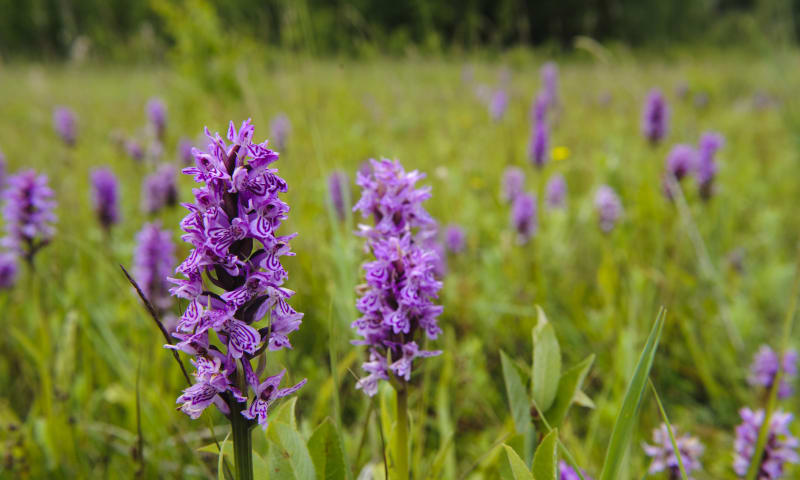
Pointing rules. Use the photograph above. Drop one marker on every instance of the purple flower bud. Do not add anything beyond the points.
(706, 170)
(105, 197)
(395, 309)
(280, 128)
(338, 189)
(663, 455)
(154, 261)
(159, 189)
(681, 160)
(28, 213)
(523, 217)
(609, 207)
(232, 227)
(134, 150)
(513, 183)
(779, 450)
(498, 105)
(537, 150)
(157, 115)
(765, 367)
(8, 270)
(185, 147)
(64, 122)
(556, 191)
(455, 238)
(655, 116)
(568, 473)
(549, 73)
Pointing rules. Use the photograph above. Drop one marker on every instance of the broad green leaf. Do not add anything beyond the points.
(260, 466)
(518, 400)
(546, 362)
(629, 412)
(326, 452)
(568, 387)
(285, 413)
(545, 461)
(288, 454)
(518, 468)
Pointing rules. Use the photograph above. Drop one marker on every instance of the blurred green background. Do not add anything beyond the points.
(367, 79)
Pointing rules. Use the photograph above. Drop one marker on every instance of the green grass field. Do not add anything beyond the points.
(78, 346)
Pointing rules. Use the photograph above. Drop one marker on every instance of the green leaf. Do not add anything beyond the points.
(285, 413)
(545, 462)
(568, 388)
(288, 455)
(546, 362)
(325, 448)
(629, 412)
(222, 472)
(518, 468)
(675, 448)
(518, 400)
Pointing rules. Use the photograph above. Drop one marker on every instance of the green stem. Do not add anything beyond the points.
(242, 442)
(401, 437)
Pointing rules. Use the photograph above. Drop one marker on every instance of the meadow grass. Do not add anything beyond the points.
(83, 370)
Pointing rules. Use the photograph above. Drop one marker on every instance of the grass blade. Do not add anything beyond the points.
(669, 429)
(629, 412)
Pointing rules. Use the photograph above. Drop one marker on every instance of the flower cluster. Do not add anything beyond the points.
(765, 367)
(498, 104)
(8, 270)
(681, 160)
(159, 189)
(65, 124)
(663, 455)
(29, 213)
(153, 262)
(780, 448)
(609, 207)
(134, 150)
(706, 168)
(338, 189)
(540, 140)
(513, 184)
(455, 238)
(655, 116)
(524, 217)
(232, 227)
(397, 300)
(157, 115)
(279, 130)
(105, 197)
(556, 192)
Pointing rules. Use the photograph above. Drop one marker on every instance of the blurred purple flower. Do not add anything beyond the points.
(154, 261)
(455, 238)
(706, 169)
(779, 450)
(523, 217)
(513, 183)
(655, 116)
(232, 227)
(339, 193)
(549, 73)
(539, 108)
(540, 140)
(157, 115)
(134, 149)
(568, 473)
(65, 124)
(105, 197)
(29, 213)
(185, 147)
(765, 367)
(8, 270)
(681, 160)
(397, 300)
(609, 207)
(556, 191)
(159, 189)
(663, 455)
(498, 105)
(3, 171)
(280, 128)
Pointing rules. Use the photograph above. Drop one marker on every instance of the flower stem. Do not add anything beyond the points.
(242, 442)
(401, 437)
